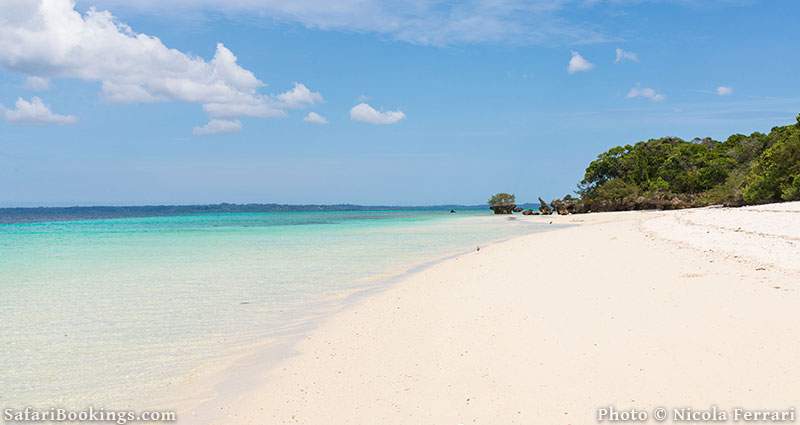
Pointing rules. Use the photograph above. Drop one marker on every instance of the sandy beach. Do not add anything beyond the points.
(693, 308)
(260, 212)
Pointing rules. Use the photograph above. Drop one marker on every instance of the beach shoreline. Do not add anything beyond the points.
(533, 330)
(211, 384)
(165, 302)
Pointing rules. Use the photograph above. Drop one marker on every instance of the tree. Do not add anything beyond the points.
(775, 175)
(502, 203)
(673, 173)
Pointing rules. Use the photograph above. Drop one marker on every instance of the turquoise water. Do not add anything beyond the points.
(112, 312)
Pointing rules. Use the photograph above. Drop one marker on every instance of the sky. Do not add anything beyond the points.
(402, 102)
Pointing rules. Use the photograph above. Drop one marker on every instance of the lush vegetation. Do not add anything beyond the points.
(503, 203)
(673, 173)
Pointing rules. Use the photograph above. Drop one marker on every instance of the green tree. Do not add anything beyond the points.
(499, 199)
(673, 173)
(775, 175)
(502, 203)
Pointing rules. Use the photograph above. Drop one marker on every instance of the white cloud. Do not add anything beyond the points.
(35, 112)
(365, 113)
(315, 118)
(50, 39)
(623, 55)
(645, 93)
(299, 97)
(578, 64)
(427, 22)
(724, 90)
(37, 83)
(260, 108)
(218, 127)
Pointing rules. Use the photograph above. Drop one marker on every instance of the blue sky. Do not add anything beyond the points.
(414, 102)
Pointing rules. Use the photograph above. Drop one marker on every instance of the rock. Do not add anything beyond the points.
(570, 205)
(544, 209)
(517, 209)
(560, 207)
(528, 212)
(502, 209)
(502, 203)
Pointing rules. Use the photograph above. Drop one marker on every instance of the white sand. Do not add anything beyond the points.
(768, 235)
(629, 309)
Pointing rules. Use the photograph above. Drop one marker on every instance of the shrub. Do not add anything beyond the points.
(502, 203)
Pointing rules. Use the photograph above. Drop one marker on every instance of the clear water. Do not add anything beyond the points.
(112, 312)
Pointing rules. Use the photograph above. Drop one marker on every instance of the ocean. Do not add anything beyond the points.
(117, 311)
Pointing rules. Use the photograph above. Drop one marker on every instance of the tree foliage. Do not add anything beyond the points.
(775, 174)
(502, 199)
(503, 203)
(674, 173)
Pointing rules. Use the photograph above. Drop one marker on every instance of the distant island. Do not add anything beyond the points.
(38, 214)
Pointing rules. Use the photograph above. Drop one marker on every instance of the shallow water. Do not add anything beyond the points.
(112, 312)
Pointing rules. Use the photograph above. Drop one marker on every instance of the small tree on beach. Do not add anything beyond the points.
(503, 203)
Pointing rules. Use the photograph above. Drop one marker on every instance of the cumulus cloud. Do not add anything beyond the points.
(724, 90)
(34, 112)
(37, 83)
(623, 55)
(578, 64)
(50, 39)
(365, 113)
(218, 127)
(315, 118)
(299, 97)
(645, 93)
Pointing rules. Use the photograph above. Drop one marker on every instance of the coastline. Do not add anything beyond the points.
(226, 285)
(233, 375)
(542, 328)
